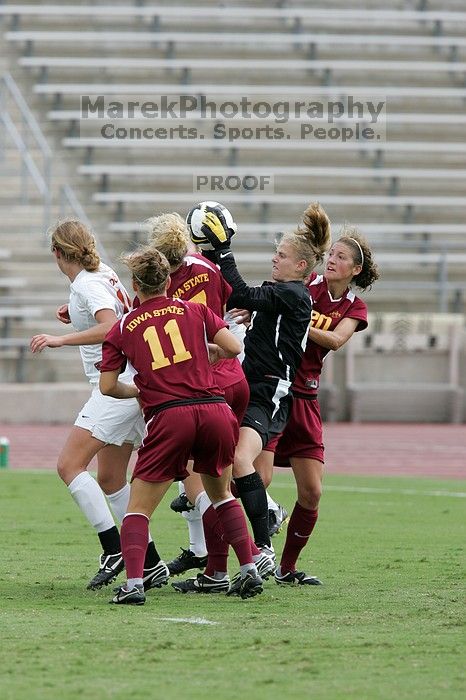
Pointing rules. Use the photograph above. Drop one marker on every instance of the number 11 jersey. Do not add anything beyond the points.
(165, 340)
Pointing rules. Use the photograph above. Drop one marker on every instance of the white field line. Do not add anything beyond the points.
(348, 489)
(190, 620)
(373, 489)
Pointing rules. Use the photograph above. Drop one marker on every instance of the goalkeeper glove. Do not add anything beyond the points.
(215, 229)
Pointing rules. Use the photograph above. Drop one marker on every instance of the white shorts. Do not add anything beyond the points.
(113, 421)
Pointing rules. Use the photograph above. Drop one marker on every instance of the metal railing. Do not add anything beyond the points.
(40, 173)
(22, 139)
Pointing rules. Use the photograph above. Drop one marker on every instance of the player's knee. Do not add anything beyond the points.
(266, 478)
(67, 470)
(310, 497)
(108, 483)
(243, 463)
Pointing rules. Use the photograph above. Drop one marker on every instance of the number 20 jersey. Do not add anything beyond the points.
(165, 340)
(326, 315)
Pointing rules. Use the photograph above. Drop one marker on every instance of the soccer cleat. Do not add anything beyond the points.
(265, 564)
(247, 587)
(181, 503)
(203, 584)
(277, 518)
(297, 577)
(110, 565)
(251, 585)
(185, 561)
(156, 577)
(123, 596)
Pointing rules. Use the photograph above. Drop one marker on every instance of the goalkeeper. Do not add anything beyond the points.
(274, 343)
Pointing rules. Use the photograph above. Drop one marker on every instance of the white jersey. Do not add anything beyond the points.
(91, 292)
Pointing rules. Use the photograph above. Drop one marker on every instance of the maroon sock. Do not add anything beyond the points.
(134, 537)
(299, 530)
(217, 546)
(232, 517)
(254, 548)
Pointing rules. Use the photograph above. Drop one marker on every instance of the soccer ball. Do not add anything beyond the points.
(196, 216)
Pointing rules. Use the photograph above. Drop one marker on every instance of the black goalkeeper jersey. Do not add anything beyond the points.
(277, 336)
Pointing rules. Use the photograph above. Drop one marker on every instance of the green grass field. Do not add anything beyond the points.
(388, 623)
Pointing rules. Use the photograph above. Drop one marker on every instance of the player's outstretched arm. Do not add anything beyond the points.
(106, 318)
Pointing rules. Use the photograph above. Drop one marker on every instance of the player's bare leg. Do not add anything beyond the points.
(77, 453)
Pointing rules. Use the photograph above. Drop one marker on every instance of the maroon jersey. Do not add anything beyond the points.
(201, 281)
(326, 315)
(165, 340)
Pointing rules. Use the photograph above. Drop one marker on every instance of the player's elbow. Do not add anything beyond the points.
(106, 386)
(230, 345)
(106, 391)
(234, 349)
(335, 343)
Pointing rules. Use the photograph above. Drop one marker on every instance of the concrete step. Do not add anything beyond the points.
(41, 368)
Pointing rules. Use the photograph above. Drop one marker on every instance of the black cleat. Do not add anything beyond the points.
(181, 504)
(133, 597)
(251, 585)
(185, 561)
(277, 518)
(265, 564)
(156, 577)
(297, 577)
(110, 566)
(247, 587)
(203, 584)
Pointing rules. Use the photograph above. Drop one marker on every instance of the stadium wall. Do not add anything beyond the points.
(60, 402)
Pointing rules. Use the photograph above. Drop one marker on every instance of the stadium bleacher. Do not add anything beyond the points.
(406, 189)
(428, 393)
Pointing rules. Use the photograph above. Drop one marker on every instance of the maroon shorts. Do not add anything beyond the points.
(206, 432)
(302, 436)
(237, 396)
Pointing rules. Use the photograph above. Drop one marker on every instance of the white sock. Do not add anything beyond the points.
(131, 582)
(91, 500)
(197, 543)
(181, 488)
(119, 502)
(203, 502)
(271, 503)
(244, 568)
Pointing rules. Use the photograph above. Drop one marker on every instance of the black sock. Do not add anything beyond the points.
(251, 491)
(152, 556)
(110, 540)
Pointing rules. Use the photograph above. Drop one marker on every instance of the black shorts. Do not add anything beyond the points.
(269, 408)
